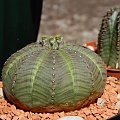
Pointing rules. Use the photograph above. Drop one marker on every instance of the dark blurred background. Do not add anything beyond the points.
(77, 21)
(19, 23)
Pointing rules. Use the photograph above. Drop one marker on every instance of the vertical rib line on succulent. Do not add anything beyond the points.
(89, 56)
(70, 66)
(38, 64)
(53, 80)
(91, 73)
(112, 24)
(102, 34)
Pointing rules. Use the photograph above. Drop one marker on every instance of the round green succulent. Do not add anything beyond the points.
(50, 76)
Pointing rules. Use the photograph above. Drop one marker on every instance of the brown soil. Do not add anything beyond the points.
(96, 111)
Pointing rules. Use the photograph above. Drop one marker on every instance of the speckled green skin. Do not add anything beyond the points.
(109, 38)
(38, 77)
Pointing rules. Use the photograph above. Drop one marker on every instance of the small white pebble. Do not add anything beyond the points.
(1, 93)
(100, 102)
(118, 96)
(91, 48)
(117, 105)
(71, 118)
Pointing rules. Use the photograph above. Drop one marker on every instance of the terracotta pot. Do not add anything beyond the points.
(111, 72)
(92, 45)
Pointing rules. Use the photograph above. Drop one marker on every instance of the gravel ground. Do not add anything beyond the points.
(78, 21)
(105, 107)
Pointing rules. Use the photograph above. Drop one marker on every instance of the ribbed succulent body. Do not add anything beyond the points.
(109, 38)
(43, 79)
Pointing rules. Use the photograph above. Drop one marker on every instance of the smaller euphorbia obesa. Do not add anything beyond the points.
(109, 38)
(49, 76)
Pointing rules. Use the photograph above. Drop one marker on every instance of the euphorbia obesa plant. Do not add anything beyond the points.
(49, 76)
(109, 38)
